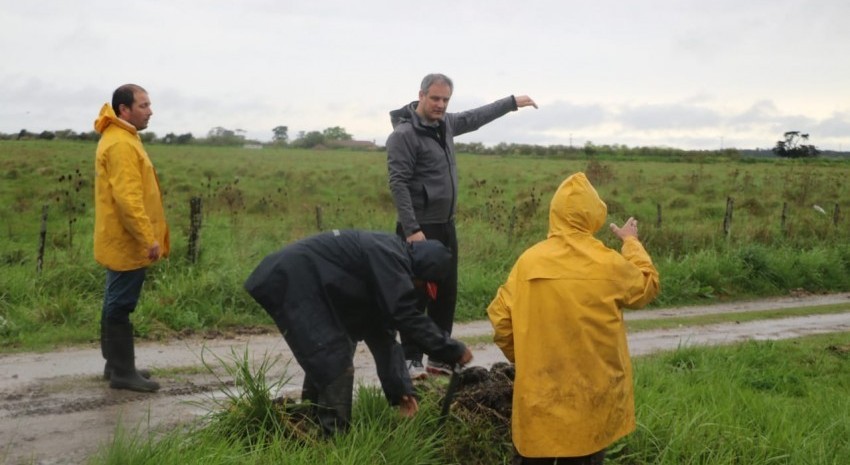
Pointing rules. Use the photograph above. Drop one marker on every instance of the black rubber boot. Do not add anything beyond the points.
(334, 405)
(107, 369)
(122, 359)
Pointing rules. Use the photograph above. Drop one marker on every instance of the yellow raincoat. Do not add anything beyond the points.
(129, 215)
(558, 317)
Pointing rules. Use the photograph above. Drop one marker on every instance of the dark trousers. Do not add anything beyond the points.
(442, 310)
(592, 459)
(123, 289)
(331, 404)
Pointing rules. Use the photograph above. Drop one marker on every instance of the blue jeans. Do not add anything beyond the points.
(123, 289)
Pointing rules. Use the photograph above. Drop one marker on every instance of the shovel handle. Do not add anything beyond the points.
(450, 392)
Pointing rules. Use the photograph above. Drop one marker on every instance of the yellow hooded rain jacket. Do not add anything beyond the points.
(558, 317)
(129, 215)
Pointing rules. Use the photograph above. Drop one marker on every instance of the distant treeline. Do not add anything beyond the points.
(223, 137)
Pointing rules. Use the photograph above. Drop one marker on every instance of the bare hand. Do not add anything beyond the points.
(465, 358)
(629, 229)
(153, 251)
(416, 237)
(524, 101)
(408, 406)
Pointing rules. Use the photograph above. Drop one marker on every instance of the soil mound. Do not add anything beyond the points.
(486, 394)
(478, 427)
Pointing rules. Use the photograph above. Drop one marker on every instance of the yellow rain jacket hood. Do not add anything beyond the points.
(129, 215)
(559, 318)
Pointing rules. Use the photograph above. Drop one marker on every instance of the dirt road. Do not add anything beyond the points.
(55, 408)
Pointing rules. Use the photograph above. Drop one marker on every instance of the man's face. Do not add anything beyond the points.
(433, 104)
(139, 113)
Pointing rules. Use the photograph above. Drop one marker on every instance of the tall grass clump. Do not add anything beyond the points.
(248, 424)
(245, 410)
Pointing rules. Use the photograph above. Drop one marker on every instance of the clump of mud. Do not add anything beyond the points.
(486, 394)
(478, 429)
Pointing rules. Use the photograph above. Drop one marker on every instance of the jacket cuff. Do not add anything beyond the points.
(451, 354)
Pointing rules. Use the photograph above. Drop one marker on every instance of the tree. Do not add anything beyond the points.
(309, 140)
(222, 136)
(91, 135)
(336, 133)
(185, 138)
(281, 135)
(792, 147)
(66, 134)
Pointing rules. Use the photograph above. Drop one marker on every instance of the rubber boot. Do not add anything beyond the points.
(107, 369)
(334, 405)
(122, 359)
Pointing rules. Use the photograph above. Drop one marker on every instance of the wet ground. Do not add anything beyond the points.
(56, 409)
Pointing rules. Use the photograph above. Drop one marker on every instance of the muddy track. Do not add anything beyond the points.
(56, 409)
(84, 396)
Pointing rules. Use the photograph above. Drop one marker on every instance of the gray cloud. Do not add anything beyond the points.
(838, 125)
(668, 116)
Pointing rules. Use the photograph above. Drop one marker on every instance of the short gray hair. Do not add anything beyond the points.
(435, 78)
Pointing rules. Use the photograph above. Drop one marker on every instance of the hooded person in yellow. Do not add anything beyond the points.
(559, 318)
(130, 232)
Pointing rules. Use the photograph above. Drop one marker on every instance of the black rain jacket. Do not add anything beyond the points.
(329, 290)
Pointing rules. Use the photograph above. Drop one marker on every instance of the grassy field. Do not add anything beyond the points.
(756, 403)
(255, 201)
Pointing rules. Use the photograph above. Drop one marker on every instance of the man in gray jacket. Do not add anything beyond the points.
(424, 185)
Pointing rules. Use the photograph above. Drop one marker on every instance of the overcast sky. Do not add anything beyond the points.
(688, 74)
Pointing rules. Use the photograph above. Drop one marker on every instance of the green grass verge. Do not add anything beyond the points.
(759, 403)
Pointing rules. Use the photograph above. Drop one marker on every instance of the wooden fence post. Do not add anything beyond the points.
(319, 218)
(658, 216)
(783, 217)
(727, 220)
(512, 220)
(195, 220)
(42, 237)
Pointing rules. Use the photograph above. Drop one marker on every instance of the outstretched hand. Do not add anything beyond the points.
(629, 229)
(524, 101)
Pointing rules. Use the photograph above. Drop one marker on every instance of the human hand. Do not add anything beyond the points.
(408, 406)
(465, 358)
(416, 237)
(629, 229)
(153, 251)
(524, 101)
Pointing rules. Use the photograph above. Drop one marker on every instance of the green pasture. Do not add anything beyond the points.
(256, 201)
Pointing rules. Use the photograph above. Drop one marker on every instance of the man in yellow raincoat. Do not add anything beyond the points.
(559, 318)
(130, 232)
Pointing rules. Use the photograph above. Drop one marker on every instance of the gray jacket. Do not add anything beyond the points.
(421, 161)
